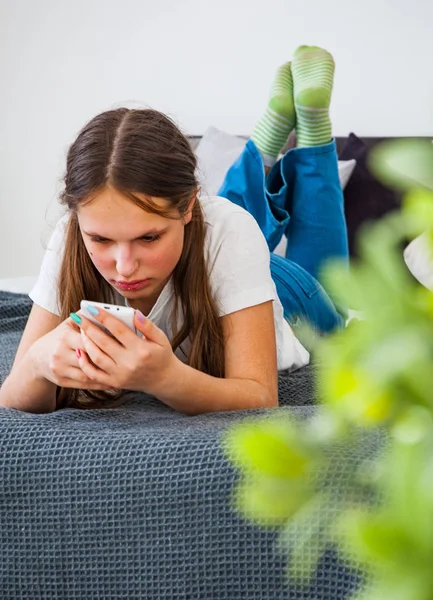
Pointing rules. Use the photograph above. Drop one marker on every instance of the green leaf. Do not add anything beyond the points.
(374, 539)
(418, 212)
(404, 163)
(398, 586)
(413, 425)
(304, 536)
(269, 446)
(270, 501)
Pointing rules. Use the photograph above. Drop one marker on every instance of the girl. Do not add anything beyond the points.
(213, 305)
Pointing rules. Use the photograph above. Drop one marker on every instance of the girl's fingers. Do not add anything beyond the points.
(80, 379)
(95, 354)
(78, 385)
(92, 372)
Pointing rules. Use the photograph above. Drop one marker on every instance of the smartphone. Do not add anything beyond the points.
(123, 313)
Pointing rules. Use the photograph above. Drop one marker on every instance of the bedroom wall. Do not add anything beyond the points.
(61, 62)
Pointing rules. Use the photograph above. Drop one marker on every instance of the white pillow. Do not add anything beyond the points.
(218, 150)
(345, 170)
(418, 257)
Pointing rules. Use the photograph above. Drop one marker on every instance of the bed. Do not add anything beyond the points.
(135, 502)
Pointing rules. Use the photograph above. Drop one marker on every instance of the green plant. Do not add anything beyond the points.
(374, 382)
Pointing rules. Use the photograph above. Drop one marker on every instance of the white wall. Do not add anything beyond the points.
(63, 61)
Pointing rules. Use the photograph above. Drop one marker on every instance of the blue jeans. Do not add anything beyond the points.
(302, 198)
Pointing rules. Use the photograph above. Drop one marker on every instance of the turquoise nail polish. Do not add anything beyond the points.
(92, 310)
(75, 318)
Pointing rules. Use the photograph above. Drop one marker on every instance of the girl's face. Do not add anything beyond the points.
(128, 245)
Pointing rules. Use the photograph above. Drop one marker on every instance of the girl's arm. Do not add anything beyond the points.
(251, 377)
(45, 359)
(22, 389)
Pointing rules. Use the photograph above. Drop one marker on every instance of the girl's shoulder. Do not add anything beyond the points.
(232, 231)
(220, 214)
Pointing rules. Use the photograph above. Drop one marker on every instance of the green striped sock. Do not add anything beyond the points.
(270, 133)
(313, 73)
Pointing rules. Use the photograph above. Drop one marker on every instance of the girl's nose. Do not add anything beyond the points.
(126, 264)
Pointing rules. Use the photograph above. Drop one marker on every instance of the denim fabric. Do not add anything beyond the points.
(302, 198)
(303, 298)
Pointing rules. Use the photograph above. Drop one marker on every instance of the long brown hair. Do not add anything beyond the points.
(139, 151)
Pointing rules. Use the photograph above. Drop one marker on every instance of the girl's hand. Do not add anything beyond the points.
(54, 357)
(128, 361)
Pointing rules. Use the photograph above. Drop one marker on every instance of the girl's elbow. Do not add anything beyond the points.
(272, 401)
(267, 398)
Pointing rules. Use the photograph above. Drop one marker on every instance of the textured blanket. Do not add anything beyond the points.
(134, 502)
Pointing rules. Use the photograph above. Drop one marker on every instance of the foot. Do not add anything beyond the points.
(270, 133)
(313, 73)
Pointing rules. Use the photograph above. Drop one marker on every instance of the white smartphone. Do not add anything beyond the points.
(123, 313)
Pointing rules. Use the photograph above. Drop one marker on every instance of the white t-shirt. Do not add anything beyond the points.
(239, 275)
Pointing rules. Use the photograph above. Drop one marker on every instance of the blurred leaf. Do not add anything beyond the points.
(268, 446)
(270, 501)
(375, 374)
(395, 540)
(390, 356)
(418, 212)
(307, 335)
(377, 245)
(423, 300)
(374, 540)
(401, 586)
(352, 391)
(404, 163)
(325, 428)
(304, 537)
(380, 277)
(413, 425)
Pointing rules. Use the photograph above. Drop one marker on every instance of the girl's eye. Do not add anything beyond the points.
(151, 238)
(98, 240)
(145, 238)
